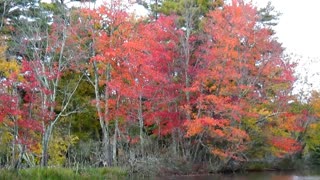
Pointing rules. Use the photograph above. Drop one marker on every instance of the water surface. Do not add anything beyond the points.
(266, 175)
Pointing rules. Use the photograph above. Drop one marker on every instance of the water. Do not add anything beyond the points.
(267, 175)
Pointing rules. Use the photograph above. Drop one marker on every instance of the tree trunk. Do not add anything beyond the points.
(106, 149)
(189, 15)
(115, 142)
(174, 143)
(14, 142)
(141, 124)
(44, 159)
(45, 146)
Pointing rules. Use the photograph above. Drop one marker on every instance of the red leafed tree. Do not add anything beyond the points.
(148, 60)
(242, 67)
(45, 60)
(17, 104)
(286, 132)
(129, 69)
(107, 29)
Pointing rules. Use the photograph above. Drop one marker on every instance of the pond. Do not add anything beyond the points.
(266, 175)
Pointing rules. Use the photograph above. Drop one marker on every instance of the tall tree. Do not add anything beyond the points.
(242, 67)
(41, 44)
(17, 101)
(107, 27)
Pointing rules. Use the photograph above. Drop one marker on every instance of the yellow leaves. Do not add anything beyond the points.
(3, 50)
(58, 148)
(97, 26)
(315, 103)
(6, 137)
(313, 135)
(264, 112)
(74, 140)
(8, 67)
(36, 150)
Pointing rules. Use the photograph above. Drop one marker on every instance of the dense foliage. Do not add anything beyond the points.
(199, 87)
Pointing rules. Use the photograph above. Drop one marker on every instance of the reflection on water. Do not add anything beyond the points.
(269, 175)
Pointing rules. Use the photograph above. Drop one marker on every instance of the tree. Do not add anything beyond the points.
(16, 105)
(209, 82)
(148, 60)
(45, 58)
(108, 28)
(241, 68)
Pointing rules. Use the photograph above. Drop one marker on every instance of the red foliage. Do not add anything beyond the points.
(239, 65)
(235, 65)
(286, 145)
(18, 104)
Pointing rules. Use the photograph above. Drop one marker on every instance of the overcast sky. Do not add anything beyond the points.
(299, 31)
(299, 25)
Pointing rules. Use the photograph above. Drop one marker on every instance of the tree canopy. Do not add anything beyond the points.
(200, 82)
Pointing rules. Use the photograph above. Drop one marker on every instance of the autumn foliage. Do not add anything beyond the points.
(233, 92)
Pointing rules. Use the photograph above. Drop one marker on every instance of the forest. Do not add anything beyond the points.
(197, 86)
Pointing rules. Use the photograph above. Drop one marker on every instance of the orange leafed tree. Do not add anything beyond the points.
(241, 68)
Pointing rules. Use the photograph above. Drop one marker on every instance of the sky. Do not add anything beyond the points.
(299, 32)
(135, 8)
(298, 28)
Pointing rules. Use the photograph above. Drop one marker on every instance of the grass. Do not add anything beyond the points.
(64, 173)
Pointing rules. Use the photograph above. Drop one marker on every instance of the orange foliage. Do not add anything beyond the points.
(286, 145)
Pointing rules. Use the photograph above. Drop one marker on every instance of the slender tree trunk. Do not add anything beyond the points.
(186, 53)
(186, 49)
(115, 142)
(141, 124)
(174, 143)
(106, 149)
(45, 146)
(44, 159)
(15, 134)
(21, 153)
(188, 14)
(116, 134)
(14, 142)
